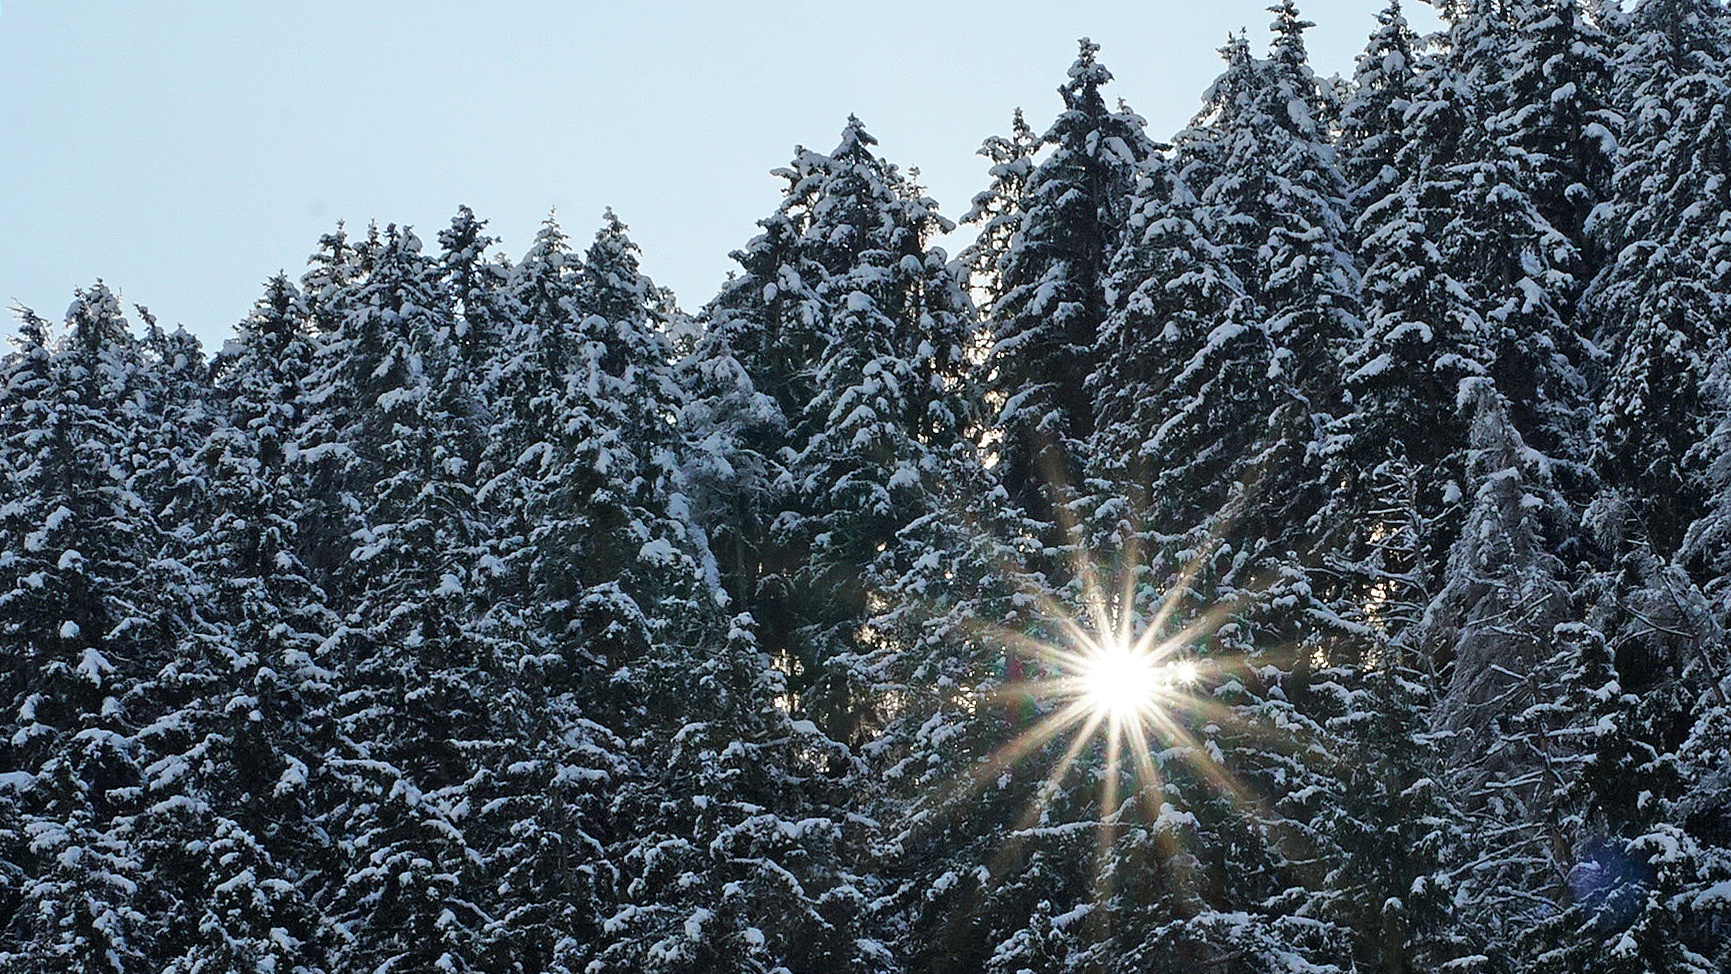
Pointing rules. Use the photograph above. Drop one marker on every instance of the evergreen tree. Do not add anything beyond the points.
(1506, 599)
(477, 287)
(1047, 313)
(1271, 197)
(763, 337)
(1373, 124)
(1397, 460)
(1649, 306)
(77, 636)
(413, 713)
(1550, 111)
(886, 416)
(247, 748)
(997, 210)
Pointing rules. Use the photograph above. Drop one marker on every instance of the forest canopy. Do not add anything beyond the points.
(1300, 544)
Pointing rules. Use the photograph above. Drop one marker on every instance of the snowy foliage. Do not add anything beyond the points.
(470, 614)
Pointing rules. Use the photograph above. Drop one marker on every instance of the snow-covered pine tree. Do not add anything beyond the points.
(1505, 602)
(1550, 112)
(546, 816)
(1373, 121)
(839, 355)
(1617, 707)
(1227, 451)
(1650, 305)
(182, 411)
(763, 337)
(1523, 272)
(77, 627)
(331, 408)
(477, 285)
(731, 432)
(1173, 299)
(1270, 196)
(1654, 410)
(955, 653)
(1394, 832)
(617, 567)
(597, 578)
(413, 712)
(1394, 464)
(997, 210)
(886, 419)
(1396, 461)
(524, 388)
(1050, 295)
(1181, 393)
(244, 753)
(1307, 283)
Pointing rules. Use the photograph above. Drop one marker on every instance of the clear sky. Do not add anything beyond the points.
(185, 150)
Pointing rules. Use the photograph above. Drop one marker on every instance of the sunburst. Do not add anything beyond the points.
(1114, 680)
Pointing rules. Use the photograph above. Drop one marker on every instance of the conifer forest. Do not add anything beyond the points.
(1300, 545)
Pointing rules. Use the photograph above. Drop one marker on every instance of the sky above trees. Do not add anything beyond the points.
(185, 151)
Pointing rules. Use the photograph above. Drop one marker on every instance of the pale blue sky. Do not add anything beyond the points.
(184, 150)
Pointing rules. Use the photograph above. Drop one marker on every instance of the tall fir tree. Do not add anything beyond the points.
(78, 635)
(1051, 301)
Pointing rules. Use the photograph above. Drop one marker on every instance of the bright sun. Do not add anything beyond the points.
(1128, 683)
(1124, 687)
(1119, 681)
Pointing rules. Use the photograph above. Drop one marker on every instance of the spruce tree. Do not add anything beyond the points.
(1051, 302)
(78, 632)
(1550, 110)
(251, 742)
(1373, 124)
(1396, 461)
(997, 209)
(884, 419)
(1507, 597)
(412, 720)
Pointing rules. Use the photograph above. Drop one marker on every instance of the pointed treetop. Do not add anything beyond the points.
(610, 222)
(613, 251)
(1233, 85)
(463, 239)
(613, 284)
(1086, 77)
(335, 242)
(95, 318)
(549, 244)
(1087, 70)
(32, 329)
(1236, 51)
(1289, 27)
(854, 139)
(276, 314)
(1392, 31)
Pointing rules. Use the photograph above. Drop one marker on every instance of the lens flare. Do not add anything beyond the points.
(1122, 682)
(1125, 685)
(1118, 681)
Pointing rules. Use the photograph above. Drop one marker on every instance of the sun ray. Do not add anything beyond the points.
(1147, 773)
(1107, 832)
(1036, 737)
(1126, 667)
(1059, 771)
